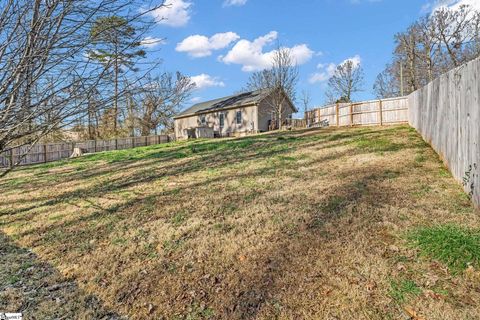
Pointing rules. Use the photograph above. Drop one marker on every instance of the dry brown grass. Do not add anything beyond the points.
(298, 225)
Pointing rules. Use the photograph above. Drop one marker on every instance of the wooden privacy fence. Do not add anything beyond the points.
(296, 123)
(374, 112)
(292, 123)
(42, 153)
(446, 113)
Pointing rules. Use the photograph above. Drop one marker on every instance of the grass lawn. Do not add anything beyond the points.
(362, 223)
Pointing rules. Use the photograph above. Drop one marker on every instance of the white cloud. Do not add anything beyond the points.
(201, 46)
(151, 42)
(356, 60)
(175, 13)
(203, 81)
(195, 99)
(326, 71)
(250, 54)
(432, 6)
(301, 53)
(229, 3)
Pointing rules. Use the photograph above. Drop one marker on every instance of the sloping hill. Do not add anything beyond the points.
(361, 223)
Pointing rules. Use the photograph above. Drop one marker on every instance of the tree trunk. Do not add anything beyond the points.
(131, 116)
(428, 56)
(280, 111)
(411, 60)
(115, 102)
(90, 125)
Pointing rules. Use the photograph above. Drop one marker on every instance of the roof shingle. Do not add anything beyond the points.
(238, 100)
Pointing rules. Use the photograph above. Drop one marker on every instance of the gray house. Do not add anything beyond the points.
(236, 115)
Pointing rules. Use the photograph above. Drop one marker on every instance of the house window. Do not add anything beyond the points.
(222, 120)
(203, 120)
(238, 117)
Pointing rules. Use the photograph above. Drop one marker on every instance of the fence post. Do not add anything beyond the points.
(95, 146)
(351, 114)
(10, 158)
(381, 113)
(116, 144)
(133, 142)
(146, 141)
(338, 116)
(45, 153)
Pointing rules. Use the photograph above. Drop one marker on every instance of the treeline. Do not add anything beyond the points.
(431, 46)
(141, 104)
(78, 66)
(144, 107)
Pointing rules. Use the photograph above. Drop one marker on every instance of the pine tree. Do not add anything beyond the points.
(116, 45)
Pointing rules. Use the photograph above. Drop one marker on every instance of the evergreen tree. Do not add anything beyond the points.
(116, 45)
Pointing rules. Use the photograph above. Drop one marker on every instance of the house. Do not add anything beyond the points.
(237, 115)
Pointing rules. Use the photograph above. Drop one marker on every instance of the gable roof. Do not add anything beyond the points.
(238, 100)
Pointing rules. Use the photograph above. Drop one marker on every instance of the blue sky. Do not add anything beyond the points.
(220, 42)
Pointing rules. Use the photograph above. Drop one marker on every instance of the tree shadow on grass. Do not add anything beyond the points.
(206, 156)
(256, 285)
(212, 154)
(117, 213)
(36, 289)
(253, 287)
(260, 286)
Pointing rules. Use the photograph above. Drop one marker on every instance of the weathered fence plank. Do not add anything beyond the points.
(42, 153)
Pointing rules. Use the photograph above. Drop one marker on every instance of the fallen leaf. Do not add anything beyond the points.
(433, 295)
(326, 292)
(150, 308)
(393, 248)
(413, 314)
(371, 285)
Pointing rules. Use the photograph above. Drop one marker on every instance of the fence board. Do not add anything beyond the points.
(42, 153)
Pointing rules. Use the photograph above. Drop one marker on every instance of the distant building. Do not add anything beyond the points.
(237, 115)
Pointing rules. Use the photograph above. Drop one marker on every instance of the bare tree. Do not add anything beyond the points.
(474, 46)
(429, 48)
(306, 100)
(281, 80)
(386, 85)
(453, 31)
(433, 45)
(46, 78)
(346, 80)
(408, 55)
(161, 99)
